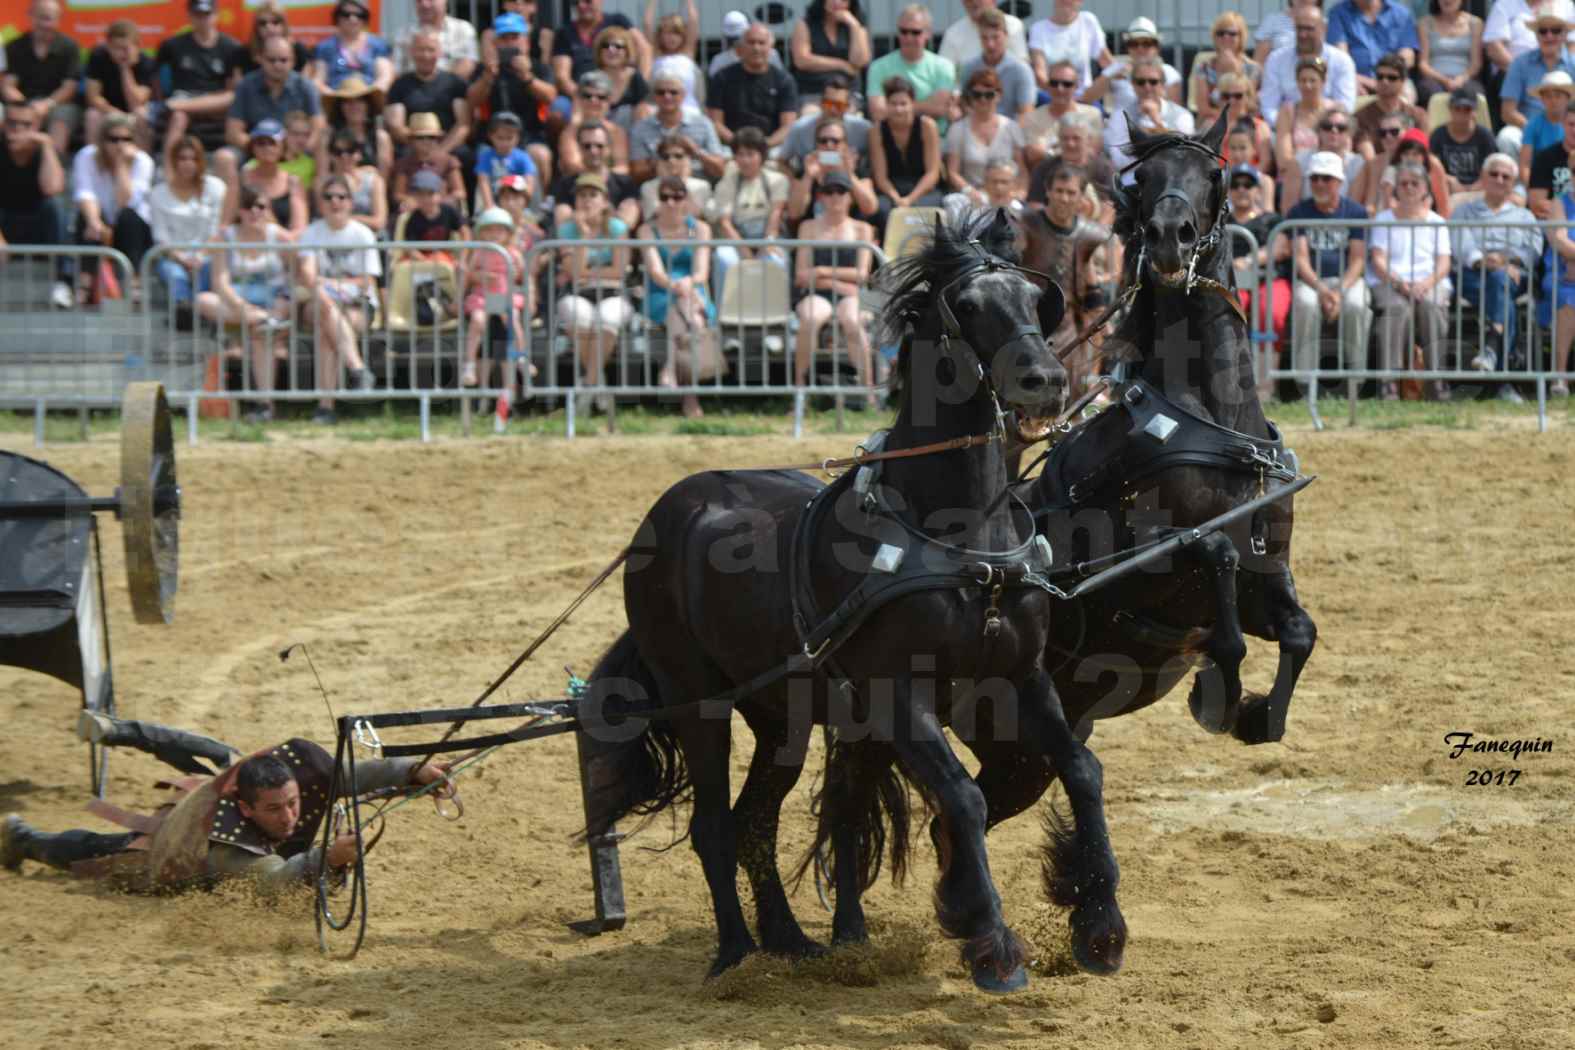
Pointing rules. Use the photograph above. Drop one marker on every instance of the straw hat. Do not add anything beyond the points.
(1558, 80)
(352, 87)
(425, 125)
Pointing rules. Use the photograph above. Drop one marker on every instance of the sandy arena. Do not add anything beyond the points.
(1343, 889)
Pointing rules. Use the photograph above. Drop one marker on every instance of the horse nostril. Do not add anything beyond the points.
(1186, 234)
(1154, 232)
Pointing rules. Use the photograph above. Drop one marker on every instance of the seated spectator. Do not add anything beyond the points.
(1561, 270)
(186, 208)
(1229, 58)
(355, 106)
(299, 159)
(41, 71)
(352, 50)
(577, 46)
(1462, 145)
(934, 79)
(1508, 33)
(1280, 68)
(201, 70)
(831, 154)
(673, 163)
(1069, 241)
(676, 275)
(368, 190)
(1330, 263)
(283, 192)
(981, 136)
(488, 273)
(508, 81)
(1081, 148)
(827, 280)
(112, 179)
(591, 300)
(620, 190)
(31, 177)
(1114, 85)
(698, 133)
(905, 164)
(1546, 128)
(1005, 185)
(592, 104)
(1240, 149)
(1276, 29)
(1387, 101)
(1450, 56)
(502, 156)
(836, 100)
(1408, 268)
(734, 25)
(675, 41)
(1296, 127)
(251, 287)
(119, 80)
(829, 39)
(960, 43)
(749, 203)
(1018, 91)
(1069, 36)
(1517, 102)
(342, 274)
(1042, 126)
(753, 93)
(1151, 112)
(426, 153)
(1411, 149)
(268, 23)
(426, 88)
(628, 88)
(1550, 172)
(458, 52)
(430, 220)
(1367, 30)
(1239, 99)
(271, 94)
(1496, 259)
(1334, 136)
(538, 41)
(1260, 270)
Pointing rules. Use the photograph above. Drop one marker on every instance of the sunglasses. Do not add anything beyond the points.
(667, 92)
(338, 196)
(1146, 81)
(119, 138)
(1389, 76)
(342, 15)
(1144, 42)
(984, 96)
(1226, 32)
(1063, 83)
(1385, 133)
(829, 140)
(615, 45)
(1322, 178)
(1551, 31)
(833, 191)
(1233, 96)
(674, 198)
(588, 97)
(905, 31)
(1334, 127)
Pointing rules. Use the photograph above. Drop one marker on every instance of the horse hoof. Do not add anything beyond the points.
(727, 959)
(1098, 941)
(800, 947)
(1258, 723)
(986, 979)
(850, 937)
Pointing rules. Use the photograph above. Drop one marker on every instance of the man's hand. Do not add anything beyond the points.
(431, 773)
(1329, 303)
(1493, 261)
(1153, 109)
(342, 852)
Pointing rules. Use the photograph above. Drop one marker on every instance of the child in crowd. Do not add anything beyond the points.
(1242, 148)
(487, 274)
(502, 156)
(432, 219)
(426, 136)
(298, 158)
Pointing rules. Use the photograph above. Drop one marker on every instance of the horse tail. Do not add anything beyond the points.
(631, 766)
(862, 790)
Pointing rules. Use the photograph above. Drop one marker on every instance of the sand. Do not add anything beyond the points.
(1343, 889)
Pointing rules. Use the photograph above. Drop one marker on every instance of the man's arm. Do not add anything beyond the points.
(459, 131)
(787, 118)
(562, 67)
(718, 118)
(51, 174)
(1355, 262)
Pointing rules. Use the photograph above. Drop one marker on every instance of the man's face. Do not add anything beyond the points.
(593, 148)
(1064, 194)
(1073, 143)
(913, 35)
(1389, 132)
(45, 18)
(834, 101)
(122, 51)
(429, 11)
(1334, 133)
(1309, 32)
(669, 98)
(1462, 117)
(992, 42)
(18, 128)
(588, 12)
(1550, 38)
(1063, 87)
(1497, 181)
(424, 52)
(277, 60)
(275, 811)
(1569, 129)
(1325, 190)
(757, 49)
(1148, 82)
(1243, 194)
(998, 186)
(974, 7)
(1389, 81)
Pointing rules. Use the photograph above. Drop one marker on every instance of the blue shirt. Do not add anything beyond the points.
(1328, 246)
(1393, 29)
(341, 63)
(518, 162)
(1539, 133)
(1525, 73)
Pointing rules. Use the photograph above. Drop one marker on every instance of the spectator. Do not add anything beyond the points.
(906, 160)
(1408, 268)
(342, 273)
(430, 220)
(1334, 136)
(513, 198)
(734, 25)
(1563, 300)
(628, 88)
(1004, 186)
(111, 180)
(981, 136)
(268, 23)
(1451, 52)
(836, 100)
(201, 68)
(829, 39)
(1018, 92)
(458, 52)
(426, 153)
(352, 50)
(676, 295)
(1546, 128)
(30, 179)
(1070, 243)
(832, 153)
(272, 93)
(119, 80)
(1042, 126)
(1367, 30)
(1070, 36)
(1265, 269)
(186, 208)
(299, 159)
(488, 273)
(1550, 172)
(1081, 137)
(539, 38)
(577, 47)
(510, 82)
(1279, 69)
(1240, 148)
(698, 133)
(42, 67)
(251, 288)
(426, 87)
(960, 43)
(591, 299)
(1461, 146)
(753, 93)
(368, 188)
(676, 42)
(1329, 268)
(750, 202)
(1113, 86)
(673, 163)
(1517, 103)
(1239, 99)
(1389, 75)
(1509, 33)
(355, 107)
(828, 280)
(934, 78)
(1229, 58)
(1296, 127)
(1411, 149)
(623, 196)
(1278, 29)
(1151, 112)
(1496, 258)
(283, 192)
(502, 157)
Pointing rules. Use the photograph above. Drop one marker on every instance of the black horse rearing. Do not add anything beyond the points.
(890, 589)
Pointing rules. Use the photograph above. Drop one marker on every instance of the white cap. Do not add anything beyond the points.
(735, 24)
(494, 217)
(1326, 163)
(1558, 80)
(1142, 27)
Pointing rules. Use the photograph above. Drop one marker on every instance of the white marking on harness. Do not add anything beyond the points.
(887, 559)
(1160, 428)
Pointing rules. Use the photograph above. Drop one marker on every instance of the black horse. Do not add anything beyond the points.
(932, 579)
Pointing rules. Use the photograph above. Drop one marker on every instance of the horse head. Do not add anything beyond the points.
(1177, 207)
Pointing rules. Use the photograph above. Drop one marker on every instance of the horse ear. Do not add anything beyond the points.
(1135, 134)
(1052, 308)
(1120, 196)
(1214, 138)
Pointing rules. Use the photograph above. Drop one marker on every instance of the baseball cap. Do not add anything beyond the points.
(835, 177)
(494, 217)
(268, 129)
(735, 24)
(509, 22)
(1326, 163)
(426, 181)
(504, 119)
(1465, 96)
(201, 7)
(516, 183)
(590, 180)
(1245, 169)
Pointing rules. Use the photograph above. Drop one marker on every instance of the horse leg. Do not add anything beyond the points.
(773, 771)
(1262, 720)
(860, 818)
(1216, 691)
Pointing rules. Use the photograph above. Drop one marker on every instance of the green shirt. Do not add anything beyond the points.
(931, 73)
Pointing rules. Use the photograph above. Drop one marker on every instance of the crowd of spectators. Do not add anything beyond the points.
(596, 128)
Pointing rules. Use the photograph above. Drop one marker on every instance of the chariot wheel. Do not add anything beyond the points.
(98, 754)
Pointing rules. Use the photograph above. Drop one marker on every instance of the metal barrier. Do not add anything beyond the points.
(1456, 330)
